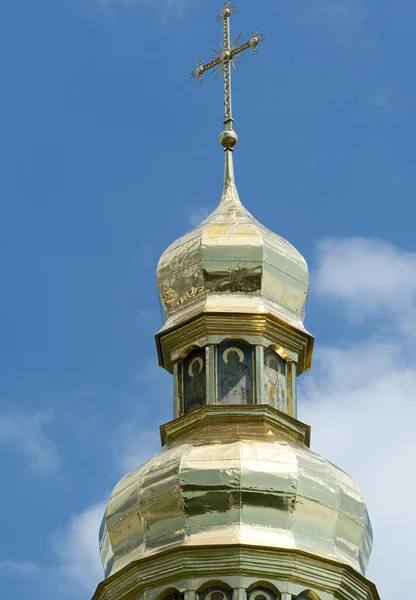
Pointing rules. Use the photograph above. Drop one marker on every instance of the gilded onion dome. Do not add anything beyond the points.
(225, 478)
(232, 263)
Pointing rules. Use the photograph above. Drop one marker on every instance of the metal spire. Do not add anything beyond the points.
(230, 49)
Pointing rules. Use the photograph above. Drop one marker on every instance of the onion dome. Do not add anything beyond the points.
(262, 487)
(232, 263)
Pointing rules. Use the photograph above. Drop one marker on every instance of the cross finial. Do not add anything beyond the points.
(222, 63)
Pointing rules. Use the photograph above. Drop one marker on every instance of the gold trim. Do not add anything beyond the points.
(214, 328)
(185, 566)
(263, 421)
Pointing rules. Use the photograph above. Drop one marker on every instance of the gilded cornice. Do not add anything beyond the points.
(210, 328)
(214, 424)
(189, 568)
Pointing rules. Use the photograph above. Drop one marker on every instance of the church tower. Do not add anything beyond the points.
(235, 506)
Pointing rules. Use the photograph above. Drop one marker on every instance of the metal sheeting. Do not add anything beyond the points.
(232, 254)
(261, 493)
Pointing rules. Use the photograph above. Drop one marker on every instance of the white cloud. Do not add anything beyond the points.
(76, 545)
(78, 569)
(24, 432)
(14, 568)
(77, 549)
(361, 399)
(368, 278)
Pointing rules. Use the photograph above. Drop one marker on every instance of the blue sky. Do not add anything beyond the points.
(109, 152)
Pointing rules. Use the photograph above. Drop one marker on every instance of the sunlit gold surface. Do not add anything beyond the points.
(255, 329)
(264, 489)
(232, 263)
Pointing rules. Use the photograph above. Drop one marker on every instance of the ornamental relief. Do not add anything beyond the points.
(183, 288)
(236, 279)
(188, 285)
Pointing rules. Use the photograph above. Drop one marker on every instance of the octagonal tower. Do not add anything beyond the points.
(235, 506)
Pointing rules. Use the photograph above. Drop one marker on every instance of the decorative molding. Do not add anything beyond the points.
(187, 569)
(261, 417)
(210, 328)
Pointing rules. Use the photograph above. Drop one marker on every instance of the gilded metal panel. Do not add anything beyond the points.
(260, 490)
(230, 256)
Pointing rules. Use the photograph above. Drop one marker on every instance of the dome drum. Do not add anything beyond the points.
(235, 373)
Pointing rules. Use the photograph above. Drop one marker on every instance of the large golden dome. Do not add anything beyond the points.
(263, 487)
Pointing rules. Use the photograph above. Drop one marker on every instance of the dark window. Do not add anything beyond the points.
(175, 596)
(215, 593)
(235, 374)
(307, 595)
(262, 593)
(194, 381)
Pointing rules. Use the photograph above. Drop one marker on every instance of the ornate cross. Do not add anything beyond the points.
(225, 59)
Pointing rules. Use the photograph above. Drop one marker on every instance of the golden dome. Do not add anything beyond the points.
(262, 487)
(232, 263)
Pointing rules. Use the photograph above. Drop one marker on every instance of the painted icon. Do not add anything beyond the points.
(235, 374)
(275, 380)
(195, 384)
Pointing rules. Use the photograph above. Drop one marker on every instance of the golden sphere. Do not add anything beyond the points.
(229, 139)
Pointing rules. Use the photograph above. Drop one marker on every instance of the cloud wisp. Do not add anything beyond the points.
(14, 568)
(77, 550)
(360, 399)
(24, 432)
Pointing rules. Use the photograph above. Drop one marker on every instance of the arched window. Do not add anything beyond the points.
(174, 596)
(307, 595)
(235, 374)
(275, 381)
(215, 593)
(194, 381)
(262, 593)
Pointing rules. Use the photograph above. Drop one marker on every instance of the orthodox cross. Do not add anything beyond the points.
(222, 63)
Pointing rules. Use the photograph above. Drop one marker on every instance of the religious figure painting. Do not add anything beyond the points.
(235, 374)
(194, 379)
(275, 380)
